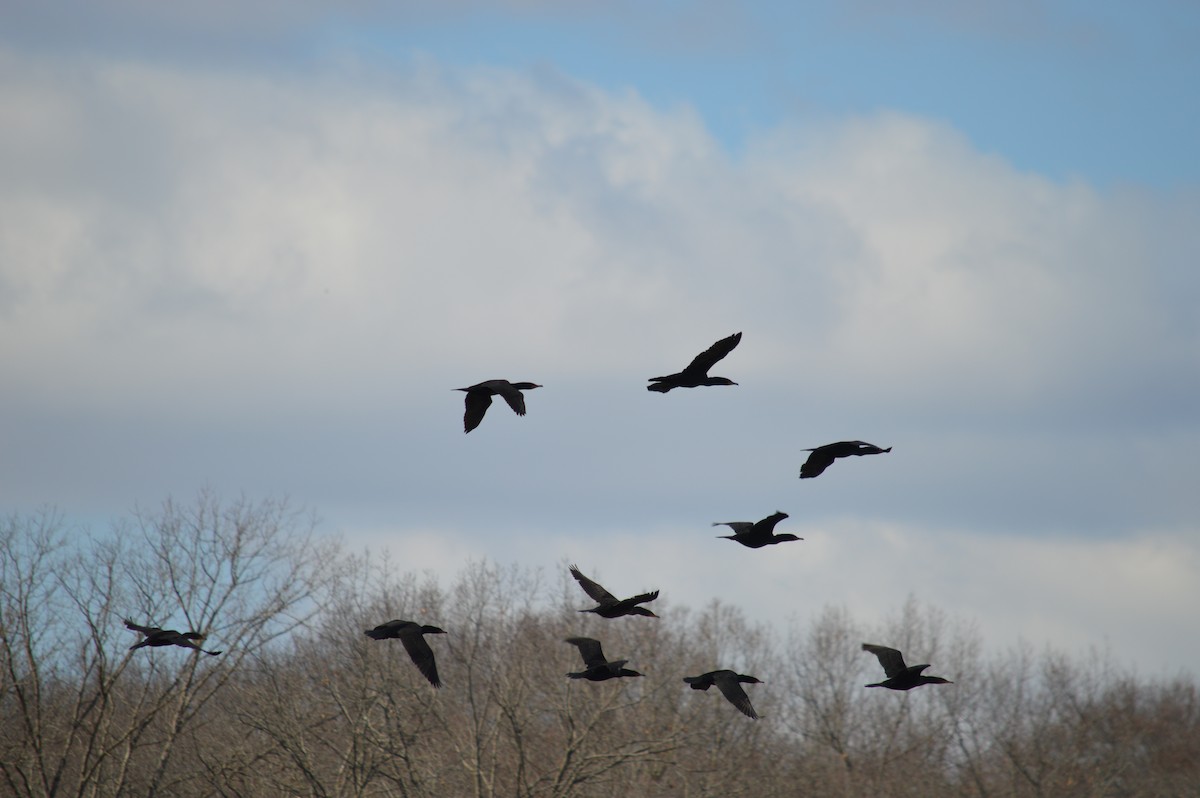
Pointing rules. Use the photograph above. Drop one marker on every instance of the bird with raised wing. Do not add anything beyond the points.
(899, 675)
(156, 637)
(823, 456)
(730, 684)
(479, 399)
(412, 635)
(609, 605)
(696, 373)
(596, 667)
(756, 534)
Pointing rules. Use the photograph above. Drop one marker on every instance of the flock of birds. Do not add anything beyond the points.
(597, 667)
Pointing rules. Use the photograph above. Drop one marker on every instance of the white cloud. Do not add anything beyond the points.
(1133, 596)
(482, 212)
(276, 281)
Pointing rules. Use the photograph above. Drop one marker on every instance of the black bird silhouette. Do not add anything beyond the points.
(479, 399)
(757, 534)
(166, 637)
(728, 682)
(596, 667)
(900, 676)
(696, 373)
(412, 635)
(823, 456)
(609, 605)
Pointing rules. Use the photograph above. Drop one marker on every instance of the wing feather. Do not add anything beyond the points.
(477, 404)
(727, 681)
(891, 659)
(514, 397)
(589, 649)
(642, 598)
(421, 654)
(592, 588)
(709, 357)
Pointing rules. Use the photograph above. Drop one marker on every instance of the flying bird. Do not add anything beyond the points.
(166, 637)
(729, 683)
(596, 667)
(479, 399)
(609, 605)
(900, 676)
(696, 373)
(412, 635)
(756, 534)
(823, 456)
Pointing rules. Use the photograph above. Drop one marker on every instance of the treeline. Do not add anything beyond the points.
(303, 703)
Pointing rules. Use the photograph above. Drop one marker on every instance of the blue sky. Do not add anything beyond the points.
(1100, 91)
(256, 249)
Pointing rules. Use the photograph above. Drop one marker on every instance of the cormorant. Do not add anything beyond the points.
(823, 456)
(596, 667)
(757, 534)
(610, 607)
(728, 682)
(412, 636)
(696, 373)
(479, 399)
(166, 637)
(900, 676)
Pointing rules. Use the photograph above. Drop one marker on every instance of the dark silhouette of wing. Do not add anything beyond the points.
(862, 447)
(421, 654)
(641, 598)
(146, 630)
(594, 590)
(589, 649)
(183, 640)
(736, 526)
(512, 395)
(891, 659)
(385, 631)
(477, 404)
(820, 459)
(727, 681)
(823, 456)
(709, 357)
(767, 525)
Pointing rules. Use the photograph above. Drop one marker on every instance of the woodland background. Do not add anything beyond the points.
(302, 703)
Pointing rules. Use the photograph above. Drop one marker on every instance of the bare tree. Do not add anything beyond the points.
(302, 702)
(97, 719)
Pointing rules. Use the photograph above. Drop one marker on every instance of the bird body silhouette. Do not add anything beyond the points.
(899, 675)
(479, 399)
(412, 635)
(608, 604)
(730, 684)
(757, 534)
(696, 373)
(156, 637)
(823, 456)
(596, 667)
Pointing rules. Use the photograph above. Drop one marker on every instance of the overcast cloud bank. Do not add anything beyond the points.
(271, 283)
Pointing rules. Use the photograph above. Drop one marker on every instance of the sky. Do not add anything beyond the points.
(253, 248)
